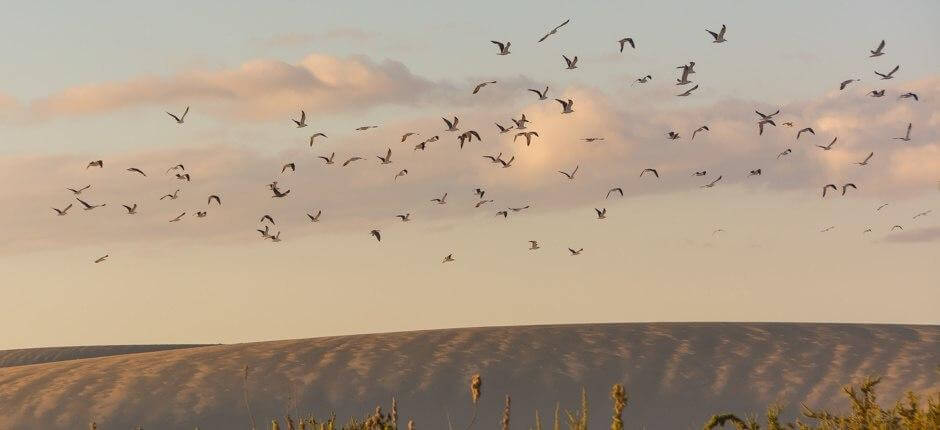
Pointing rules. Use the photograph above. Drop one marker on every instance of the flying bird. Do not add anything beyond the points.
(507, 164)
(387, 159)
(907, 135)
(277, 192)
(315, 135)
(264, 233)
(494, 159)
(566, 105)
(643, 79)
(702, 173)
(63, 212)
(766, 117)
(520, 209)
(404, 218)
(400, 173)
(829, 146)
(181, 118)
(847, 186)
(477, 88)
(291, 166)
(101, 259)
(173, 196)
(346, 163)
(827, 229)
(712, 183)
(176, 167)
(617, 189)
(504, 214)
(575, 252)
(755, 172)
(520, 124)
(268, 218)
(592, 139)
(601, 213)
(276, 237)
(925, 213)
(542, 94)
(827, 187)
(407, 135)
(441, 200)
(909, 95)
(897, 227)
(888, 75)
(376, 234)
(178, 217)
(672, 135)
(98, 163)
(571, 62)
(570, 176)
(653, 171)
(479, 192)
(503, 47)
(215, 197)
(807, 129)
(366, 127)
(528, 136)
(131, 210)
(315, 218)
(78, 191)
(865, 161)
(881, 207)
(481, 203)
(554, 30)
(201, 214)
(760, 125)
(328, 160)
(719, 36)
(448, 258)
(451, 126)
(877, 93)
(624, 41)
(785, 152)
(503, 129)
(303, 120)
(183, 177)
(879, 51)
(702, 128)
(136, 170)
(846, 82)
(533, 245)
(468, 136)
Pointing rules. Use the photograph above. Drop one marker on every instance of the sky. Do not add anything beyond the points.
(84, 82)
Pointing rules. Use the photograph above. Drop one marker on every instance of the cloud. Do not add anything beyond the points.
(918, 235)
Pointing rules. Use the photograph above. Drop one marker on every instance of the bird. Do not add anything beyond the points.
(404, 218)
(173, 196)
(827, 187)
(400, 173)
(481, 203)
(626, 40)
(570, 176)
(181, 118)
(407, 135)
(468, 136)
(601, 213)
(176, 167)
(136, 170)
(477, 88)
(867, 230)
(315, 218)
(183, 177)
(566, 105)
(702, 173)
(712, 183)
(303, 120)
(765, 116)
(201, 214)
(714, 232)
(575, 252)
(687, 69)
(571, 62)
(617, 189)
(264, 233)
(719, 36)
(702, 128)
(451, 126)
(533, 245)
(528, 136)
(592, 139)
(346, 163)
(88, 206)
(78, 191)
(440, 200)
(543, 95)
(829, 146)
(847, 186)
(653, 171)
(278, 193)
(449, 258)
(315, 135)
(507, 164)
(760, 125)
(881, 207)
(276, 237)
(685, 94)
(131, 210)
(97, 163)
(909, 95)
(520, 124)
(178, 217)
(494, 159)
(503, 47)
(366, 127)
(865, 161)
(807, 129)
(755, 172)
(387, 159)
(479, 192)
(879, 51)
(268, 218)
(376, 234)
(888, 75)
(897, 227)
(925, 213)
(643, 79)
(877, 93)
(519, 209)
(328, 160)
(554, 30)
(785, 152)
(907, 135)
(291, 166)
(845, 83)
(215, 197)
(672, 135)
(63, 212)
(504, 214)
(827, 229)
(102, 258)
(503, 129)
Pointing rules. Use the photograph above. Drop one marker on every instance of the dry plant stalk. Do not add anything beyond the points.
(619, 395)
(506, 413)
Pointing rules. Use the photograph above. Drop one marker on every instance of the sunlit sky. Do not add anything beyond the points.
(84, 82)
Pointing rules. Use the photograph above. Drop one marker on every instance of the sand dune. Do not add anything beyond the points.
(676, 375)
(22, 357)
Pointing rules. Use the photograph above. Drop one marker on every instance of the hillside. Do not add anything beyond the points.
(676, 375)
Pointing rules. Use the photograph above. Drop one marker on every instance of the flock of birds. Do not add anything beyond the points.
(520, 129)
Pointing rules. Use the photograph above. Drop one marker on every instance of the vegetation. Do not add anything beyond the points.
(909, 413)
